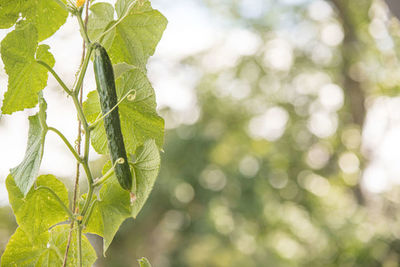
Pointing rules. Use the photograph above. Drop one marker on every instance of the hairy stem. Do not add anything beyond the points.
(82, 26)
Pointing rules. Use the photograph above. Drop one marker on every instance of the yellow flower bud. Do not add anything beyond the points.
(80, 3)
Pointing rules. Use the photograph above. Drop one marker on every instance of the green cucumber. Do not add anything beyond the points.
(105, 82)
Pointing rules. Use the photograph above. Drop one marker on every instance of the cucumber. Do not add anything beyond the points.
(105, 82)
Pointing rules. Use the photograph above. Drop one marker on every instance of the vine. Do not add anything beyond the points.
(49, 231)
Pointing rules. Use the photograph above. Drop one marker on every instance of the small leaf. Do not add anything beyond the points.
(46, 249)
(26, 172)
(139, 119)
(143, 262)
(39, 210)
(25, 77)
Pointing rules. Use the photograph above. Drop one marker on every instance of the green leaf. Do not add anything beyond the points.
(26, 172)
(58, 241)
(39, 210)
(46, 15)
(109, 213)
(22, 250)
(114, 205)
(137, 32)
(143, 262)
(101, 17)
(9, 12)
(46, 250)
(146, 170)
(25, 77)
(139, 119)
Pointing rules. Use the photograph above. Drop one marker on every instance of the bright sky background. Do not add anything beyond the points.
(191, 29)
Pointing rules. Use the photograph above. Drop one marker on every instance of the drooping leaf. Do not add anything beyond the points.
(46, 15)
(39, 210)
(114, 204)
(25, 76)
(146, 170)
(139, 119)
(101, 17)
(110, 211)
(46, 249)
(26, 172)
(137, 32)
(143, 262)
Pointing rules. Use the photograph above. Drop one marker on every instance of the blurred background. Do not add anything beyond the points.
(283, 136)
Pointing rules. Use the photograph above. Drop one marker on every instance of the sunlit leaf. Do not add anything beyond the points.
(137, 32)
(114, 204)
(46, 15)
(46, 249)
(25, 77)
(26, 172)
(139, 119)
(39, 210)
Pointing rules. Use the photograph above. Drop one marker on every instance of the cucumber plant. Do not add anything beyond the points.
(119, 120)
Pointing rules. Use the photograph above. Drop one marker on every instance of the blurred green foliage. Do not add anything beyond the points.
(269, 175)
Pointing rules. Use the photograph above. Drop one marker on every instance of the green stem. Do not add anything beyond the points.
(105, 176)
(83, 29)
(89, 213)
(70, 147)
(79, 110)
(86, 61)
(55, 75)
(70, 214)
(116, 23)
(88, 199)
(79, 245)
(114, 107)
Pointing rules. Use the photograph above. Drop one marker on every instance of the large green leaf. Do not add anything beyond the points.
(139, 119)
(137, 32)
(26, 172)
(39, 210)
(46, 249)
(114, 204)
(46, 15)
(25, 77)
